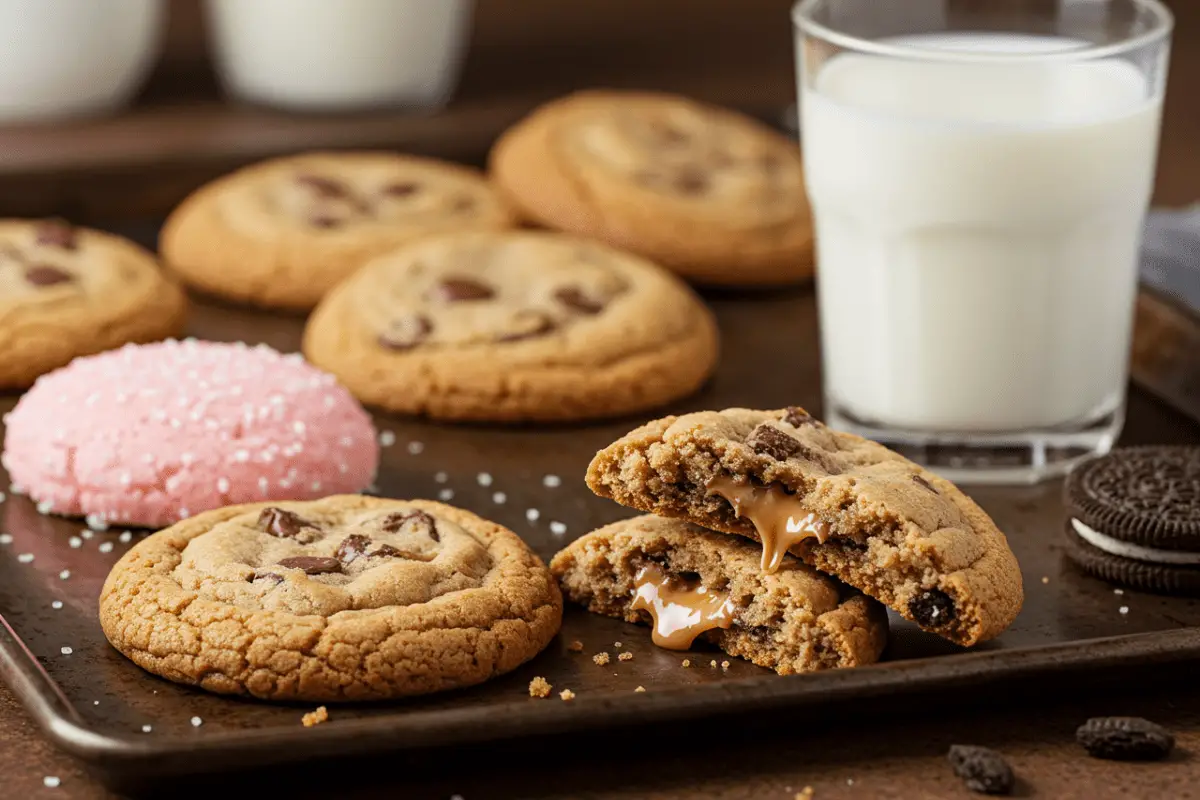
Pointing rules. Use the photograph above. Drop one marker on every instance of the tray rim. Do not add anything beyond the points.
(405, 730)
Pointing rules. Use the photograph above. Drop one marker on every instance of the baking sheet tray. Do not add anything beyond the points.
(95, 704)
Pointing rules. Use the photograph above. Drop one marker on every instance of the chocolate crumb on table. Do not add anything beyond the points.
(567, 695)
(575, 646)
(601, 659)
(315, 717)
(539, 687)
(626, 656)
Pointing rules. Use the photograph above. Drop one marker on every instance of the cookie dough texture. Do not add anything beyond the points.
(900, 534)
(794, 620)
(282, 233)
(67, 291)
(343, 599)
(709, 193)
(513, 326)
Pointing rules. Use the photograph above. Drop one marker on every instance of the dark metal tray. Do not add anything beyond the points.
(95, 704)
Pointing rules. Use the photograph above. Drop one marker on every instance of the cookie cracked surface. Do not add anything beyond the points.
(878, 521)
(709, 193)
(283, 232)
(67, 291)
(341, 599)
(793, 620)
(513, 326)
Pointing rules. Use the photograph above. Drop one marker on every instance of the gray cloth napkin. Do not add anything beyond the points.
(1171, 254)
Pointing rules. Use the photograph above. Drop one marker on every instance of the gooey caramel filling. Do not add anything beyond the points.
(779, 519)
(682, 610)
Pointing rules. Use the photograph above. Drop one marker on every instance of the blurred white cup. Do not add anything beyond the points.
(62, 58)
(327, 55)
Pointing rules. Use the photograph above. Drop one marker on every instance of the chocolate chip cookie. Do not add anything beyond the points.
(709, 193)
(688, 583)
(513, 326)
(346, 598)
(845, 505)
(284, 232)
(67, 291)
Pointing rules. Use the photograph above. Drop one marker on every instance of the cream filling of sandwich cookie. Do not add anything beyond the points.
(1137, 552)
(330, 561)
(680, 609)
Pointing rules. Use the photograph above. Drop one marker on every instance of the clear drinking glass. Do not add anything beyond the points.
(979, 172)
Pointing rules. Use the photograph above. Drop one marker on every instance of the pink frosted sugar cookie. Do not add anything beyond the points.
(148, 435)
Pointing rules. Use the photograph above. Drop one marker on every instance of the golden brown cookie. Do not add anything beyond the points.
(346, 598)
(513, 326)
(67, 291)
(845, 505)
(709, 193)
(685, 582)
(283, 232)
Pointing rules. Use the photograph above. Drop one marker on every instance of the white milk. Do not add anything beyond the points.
(978, 228)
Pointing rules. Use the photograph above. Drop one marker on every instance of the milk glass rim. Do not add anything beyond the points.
(1164, 22)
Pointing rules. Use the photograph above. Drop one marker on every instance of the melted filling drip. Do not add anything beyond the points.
(681, 610)
(779, 519)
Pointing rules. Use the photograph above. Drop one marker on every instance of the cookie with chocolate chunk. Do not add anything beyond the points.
(67, 291)
(690, 584)
(283, 232)
(343, 599)
(843, 504)
(709, 193)
(513, 326)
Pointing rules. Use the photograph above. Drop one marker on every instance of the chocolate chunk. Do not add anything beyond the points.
(768, 440)
(932, 608)
(387, 551)
(458, 290)
(322, 186)
(983, 770)
(406, 332)
(692, 181)
(268, 577)
(797, 417)
(283, 524)
(56, 233)
(46, 275)
(920, 481)
(574, 298)
(538, 324)
(402, 189)
(352, 547)
(421, 520)
(312, 565)
(1125, 739)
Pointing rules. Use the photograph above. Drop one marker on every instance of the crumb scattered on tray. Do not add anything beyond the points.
(1045, 579)
(626, 656)
(575, 646)
(316, 717)
(567, 695)
(617, 645)
(805, 794)
(640, 689)
(601, 659)
(539, 687)
(686, 663)
(713, 663)
(724, 665)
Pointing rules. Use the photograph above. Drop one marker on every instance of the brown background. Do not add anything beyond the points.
(740, 54)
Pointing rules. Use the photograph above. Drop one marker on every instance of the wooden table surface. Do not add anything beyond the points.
(740, 57)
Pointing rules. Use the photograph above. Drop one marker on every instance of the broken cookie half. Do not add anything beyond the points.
(691, 584)
(845, 505)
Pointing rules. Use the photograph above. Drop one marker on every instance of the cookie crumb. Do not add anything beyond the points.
(617, 645)
(1045, 579)
(724, 665)
(567, 695)
(626, 656)
(805, 794)
(539, 687)
(575, 646)
(685, 663)
(601, 659)
(713, 663)
(315, 717)
(640, 689)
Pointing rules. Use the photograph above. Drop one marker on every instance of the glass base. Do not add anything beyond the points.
(1024, 457)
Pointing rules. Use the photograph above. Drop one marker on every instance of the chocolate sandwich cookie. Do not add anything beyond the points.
(691, 584)
(1134, 518)
(845, 505)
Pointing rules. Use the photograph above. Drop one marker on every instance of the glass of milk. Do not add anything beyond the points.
(979, 172)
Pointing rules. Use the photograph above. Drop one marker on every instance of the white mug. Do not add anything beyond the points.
(61, 58)
(343, 55)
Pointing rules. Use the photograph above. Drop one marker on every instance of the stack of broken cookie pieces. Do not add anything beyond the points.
(844, 527)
